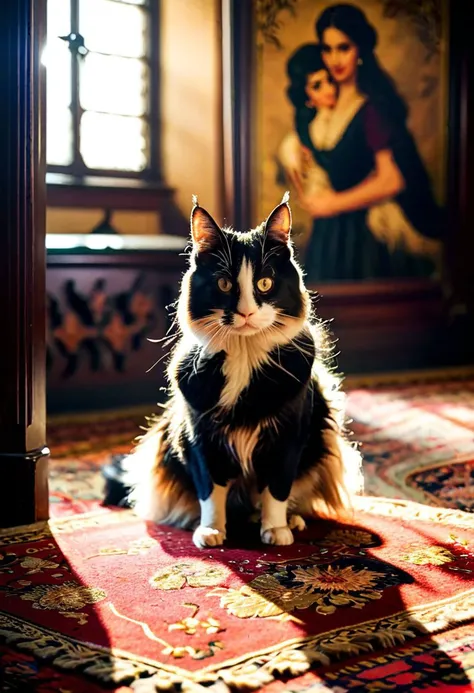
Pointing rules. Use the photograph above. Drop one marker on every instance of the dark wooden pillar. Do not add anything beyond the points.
(238, 48)
(460, 240)
(23, 452)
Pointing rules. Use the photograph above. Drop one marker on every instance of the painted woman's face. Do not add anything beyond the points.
(320, 90)
(340, 55)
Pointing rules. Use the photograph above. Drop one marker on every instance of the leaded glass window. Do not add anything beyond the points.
(102, 92)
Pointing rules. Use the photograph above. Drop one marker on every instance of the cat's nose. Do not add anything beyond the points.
(246, 315)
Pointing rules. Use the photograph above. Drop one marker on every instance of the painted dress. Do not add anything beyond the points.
(344, 247)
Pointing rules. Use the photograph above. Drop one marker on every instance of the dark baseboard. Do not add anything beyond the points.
(25, 484)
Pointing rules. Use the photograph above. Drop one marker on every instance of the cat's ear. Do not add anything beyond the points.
(204, 230)
(278, 224)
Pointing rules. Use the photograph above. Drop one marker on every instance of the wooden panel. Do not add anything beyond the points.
(102, 310)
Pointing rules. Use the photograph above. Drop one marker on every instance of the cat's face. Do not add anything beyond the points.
(243, 284)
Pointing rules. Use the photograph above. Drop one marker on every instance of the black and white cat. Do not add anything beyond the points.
(253, 418)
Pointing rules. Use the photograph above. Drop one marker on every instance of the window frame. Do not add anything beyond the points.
(77, 173)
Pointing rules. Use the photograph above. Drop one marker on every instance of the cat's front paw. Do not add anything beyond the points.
(279, 536)
(208, 536)
(297, 522)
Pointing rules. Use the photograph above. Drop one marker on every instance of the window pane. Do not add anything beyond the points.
(113, 142)
(56, 56)
(114, 85)
(113, 27)
(59, 18)
(59, 136)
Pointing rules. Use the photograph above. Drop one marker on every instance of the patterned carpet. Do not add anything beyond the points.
(107, 600)
(99, 601)
(417, 443)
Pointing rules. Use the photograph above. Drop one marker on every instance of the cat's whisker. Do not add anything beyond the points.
(298, 344)
(157, 362)
(289, 317)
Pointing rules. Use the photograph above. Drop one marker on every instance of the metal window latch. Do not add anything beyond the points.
(76, 44)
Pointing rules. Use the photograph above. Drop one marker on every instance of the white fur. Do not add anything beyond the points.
(247, 304)
(244, 355)
(274, 529)
(211, 531)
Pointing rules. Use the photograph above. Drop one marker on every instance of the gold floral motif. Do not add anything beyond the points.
(190, 625)
(70, 596)
(429, 555)
(180, 652)
(327, 588)
(348, 537)
(138, 547)
(191, 573)
(37, 565)
(456, 540)
(340, 586)
(170, 650)
(335, 579)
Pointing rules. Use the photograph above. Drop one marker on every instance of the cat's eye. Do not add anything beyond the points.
(264, 284)
(224, 284)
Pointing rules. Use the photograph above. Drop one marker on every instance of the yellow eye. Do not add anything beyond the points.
(264, 284)
(224, 285)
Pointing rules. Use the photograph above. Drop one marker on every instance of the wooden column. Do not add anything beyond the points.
(460, 237)
(237, 60)
(23, 453)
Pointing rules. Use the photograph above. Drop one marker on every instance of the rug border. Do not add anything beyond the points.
(456, 460)
(226, 669)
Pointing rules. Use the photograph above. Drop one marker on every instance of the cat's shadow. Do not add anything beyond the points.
(316, 562)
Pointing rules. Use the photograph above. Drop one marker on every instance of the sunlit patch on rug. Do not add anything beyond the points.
(407, 429)
(124, 603)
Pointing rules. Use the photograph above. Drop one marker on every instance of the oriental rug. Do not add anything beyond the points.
(105, 601)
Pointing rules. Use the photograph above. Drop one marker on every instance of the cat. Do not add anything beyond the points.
(254, 420)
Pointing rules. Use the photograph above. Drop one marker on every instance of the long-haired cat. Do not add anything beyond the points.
(253, 420)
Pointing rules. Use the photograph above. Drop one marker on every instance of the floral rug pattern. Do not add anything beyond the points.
(119, 602)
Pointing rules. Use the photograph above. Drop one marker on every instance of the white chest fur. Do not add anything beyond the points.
(243, 356)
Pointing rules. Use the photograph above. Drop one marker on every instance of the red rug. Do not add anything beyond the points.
(103, 600)
(80, 446)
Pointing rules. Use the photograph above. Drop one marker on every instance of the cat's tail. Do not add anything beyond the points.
(157, 484)
(125, 474)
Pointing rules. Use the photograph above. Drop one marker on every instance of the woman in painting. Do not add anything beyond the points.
(369, 156)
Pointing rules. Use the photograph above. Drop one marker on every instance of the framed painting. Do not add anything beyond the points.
(357, 109)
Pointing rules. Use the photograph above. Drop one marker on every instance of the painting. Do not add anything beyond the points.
(349, 113)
